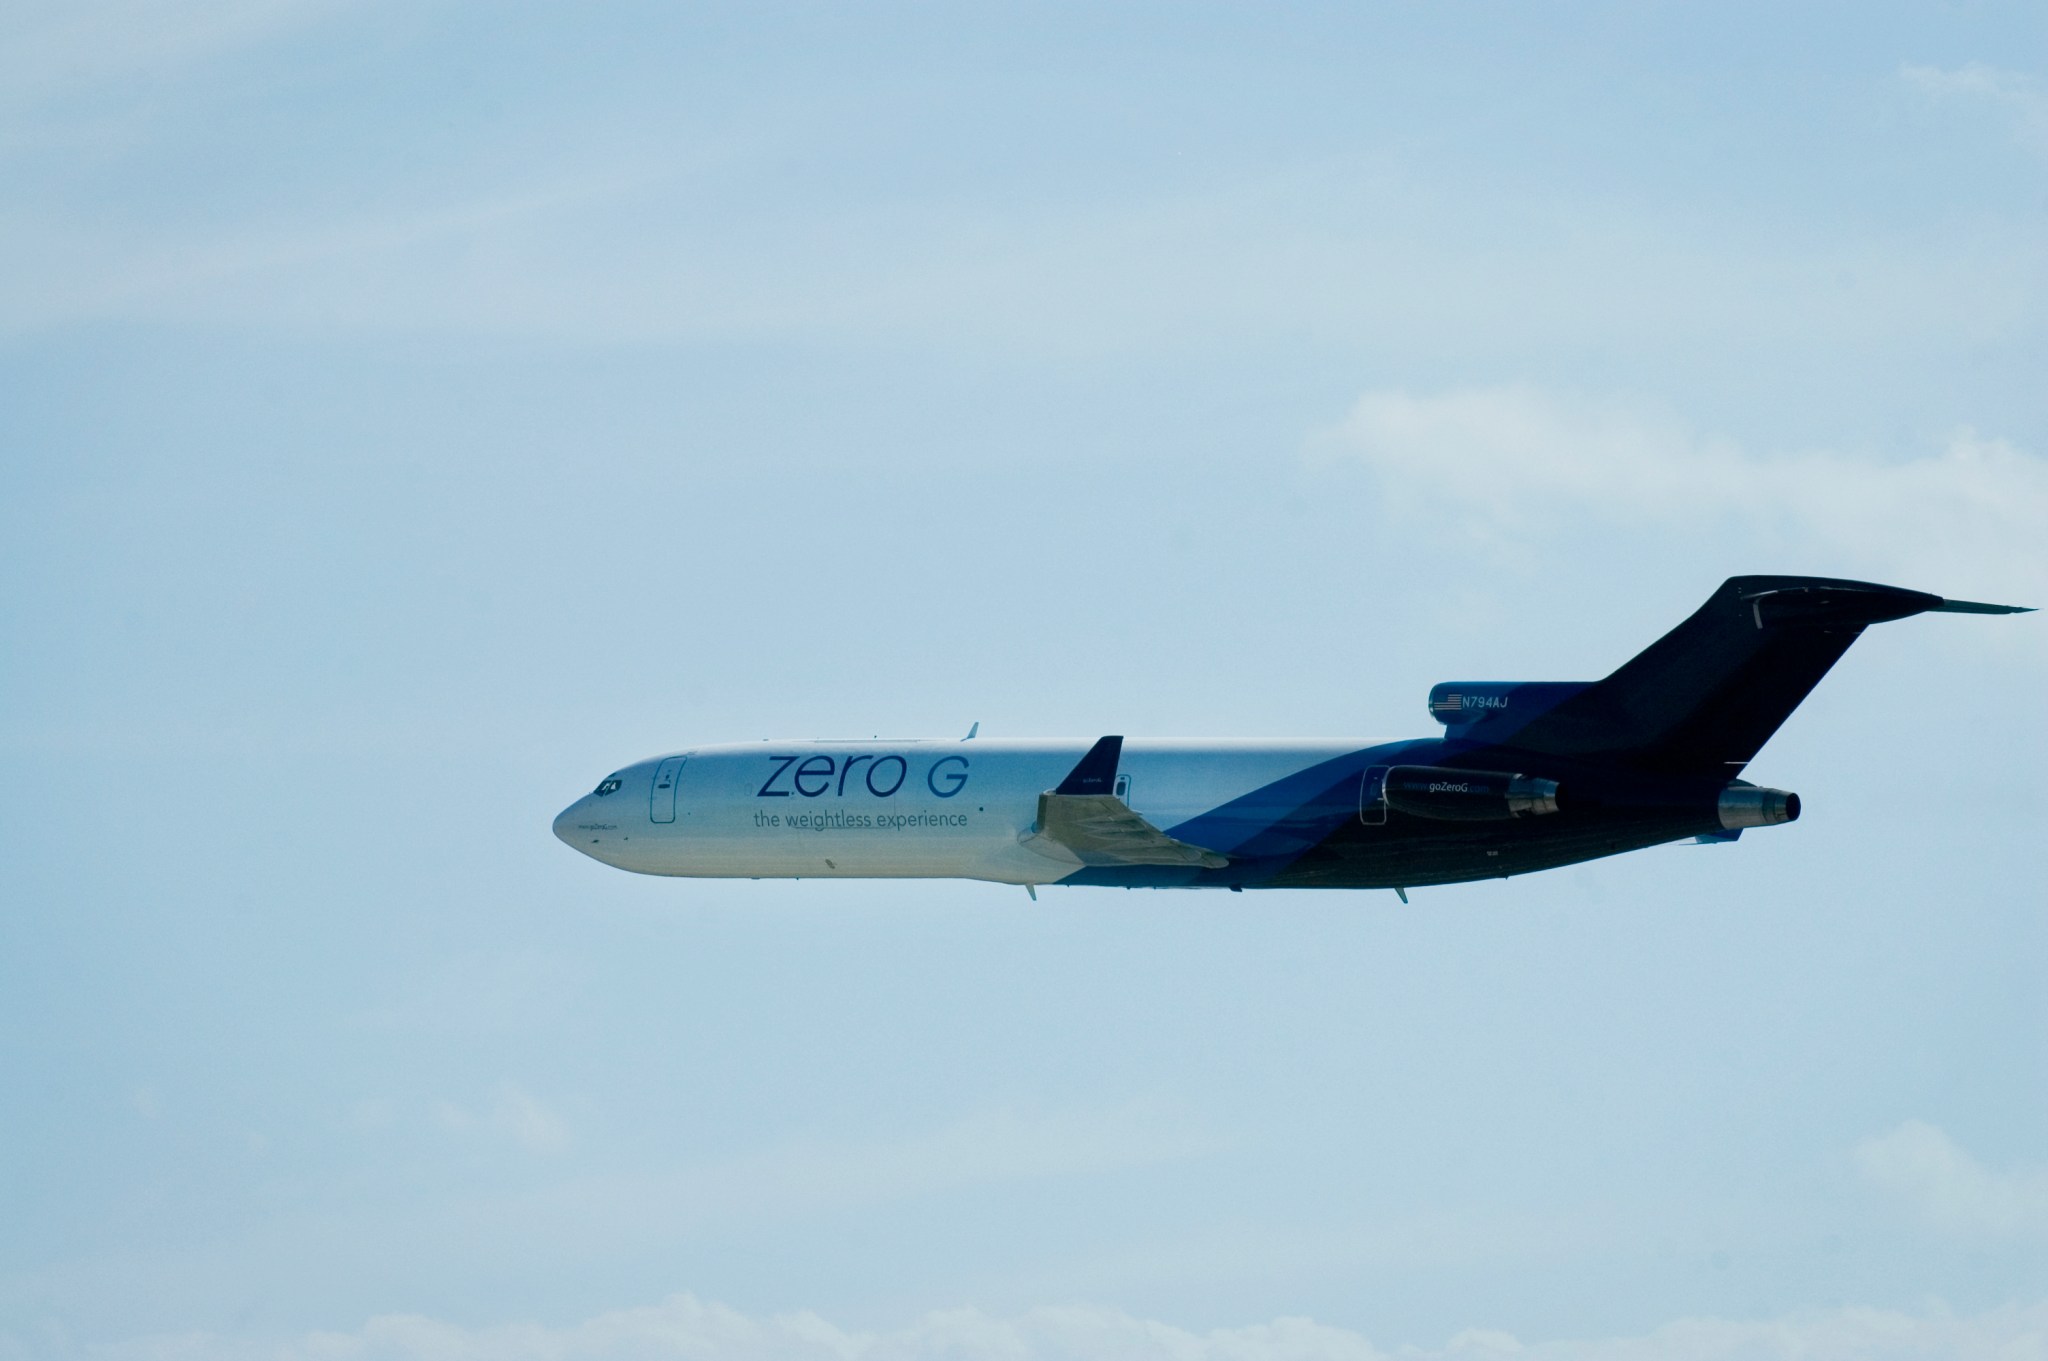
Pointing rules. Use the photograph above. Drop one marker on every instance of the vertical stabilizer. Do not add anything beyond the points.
(1704, 698)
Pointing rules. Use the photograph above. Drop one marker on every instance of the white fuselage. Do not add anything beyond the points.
(903, 809)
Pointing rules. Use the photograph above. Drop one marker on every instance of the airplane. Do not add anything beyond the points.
(1528, 775)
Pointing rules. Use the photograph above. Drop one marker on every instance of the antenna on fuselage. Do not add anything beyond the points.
(972, 731)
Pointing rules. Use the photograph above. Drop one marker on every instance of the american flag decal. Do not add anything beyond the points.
(1450, 703)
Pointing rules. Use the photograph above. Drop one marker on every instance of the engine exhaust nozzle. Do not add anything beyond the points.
(1748, 805)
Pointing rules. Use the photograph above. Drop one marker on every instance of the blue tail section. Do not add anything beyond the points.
(1704, 698)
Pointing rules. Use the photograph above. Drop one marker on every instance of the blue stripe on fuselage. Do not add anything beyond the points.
(1283, 819)
(1264, 831)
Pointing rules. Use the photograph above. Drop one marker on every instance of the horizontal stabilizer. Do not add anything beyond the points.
(1979, 607)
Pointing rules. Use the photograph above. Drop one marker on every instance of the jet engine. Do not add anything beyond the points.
(1748, 805)
(1466, 795)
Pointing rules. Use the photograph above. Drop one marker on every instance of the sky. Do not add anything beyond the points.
(411, 413)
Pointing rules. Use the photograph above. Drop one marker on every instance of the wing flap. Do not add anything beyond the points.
(1083, 821)
(1101, 829)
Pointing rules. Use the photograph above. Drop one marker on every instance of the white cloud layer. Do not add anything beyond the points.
(1515, 462)
(2017, 96)
(512, 1113)
(51, 49)
(685, 1327)
(1921, 1165)
(989, 1147)
(693, 243)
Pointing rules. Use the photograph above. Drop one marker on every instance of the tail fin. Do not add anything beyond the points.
(1704, 698)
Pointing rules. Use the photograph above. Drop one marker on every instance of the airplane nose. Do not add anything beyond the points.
(597, 825)
(583, 827)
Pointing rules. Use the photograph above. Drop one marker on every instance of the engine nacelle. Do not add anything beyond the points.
(1466, 795)
(1748, 805)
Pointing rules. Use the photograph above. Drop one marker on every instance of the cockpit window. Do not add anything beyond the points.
(610, 786)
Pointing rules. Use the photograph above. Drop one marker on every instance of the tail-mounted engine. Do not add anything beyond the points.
(1748, 805)
(1457, 795)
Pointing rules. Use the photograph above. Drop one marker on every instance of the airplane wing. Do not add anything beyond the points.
(1083, 821)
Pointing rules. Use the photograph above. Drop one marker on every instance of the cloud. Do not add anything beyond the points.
(701, 241)
(990, 1146)
(1514, 463)
(2017, 96)
(513, 1114)
(57, 47)
(612, 1208)
(798, 1178)
(351, 270)
(1921, 1165)
(684, 1326)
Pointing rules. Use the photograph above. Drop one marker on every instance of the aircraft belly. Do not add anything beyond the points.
(828, 842)
(1415, 853)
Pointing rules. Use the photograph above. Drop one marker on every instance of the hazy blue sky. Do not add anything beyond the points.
(410, 413)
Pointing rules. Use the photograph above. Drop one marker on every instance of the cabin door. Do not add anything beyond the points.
(661, 799)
